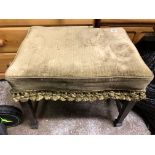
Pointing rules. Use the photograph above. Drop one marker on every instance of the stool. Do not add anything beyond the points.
(77, 63)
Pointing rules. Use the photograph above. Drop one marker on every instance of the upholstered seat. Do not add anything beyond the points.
(78, 63)
(78, 58)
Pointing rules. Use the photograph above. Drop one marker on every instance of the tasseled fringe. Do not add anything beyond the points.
(77, 95)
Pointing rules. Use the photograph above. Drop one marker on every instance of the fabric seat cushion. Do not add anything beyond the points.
(78, 58)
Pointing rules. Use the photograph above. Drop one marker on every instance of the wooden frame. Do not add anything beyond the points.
(29, 113)
(124, 107)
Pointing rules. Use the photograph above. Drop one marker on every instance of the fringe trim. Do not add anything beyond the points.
(77, 96)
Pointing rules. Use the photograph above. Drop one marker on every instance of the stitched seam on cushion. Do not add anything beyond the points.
(52, 77)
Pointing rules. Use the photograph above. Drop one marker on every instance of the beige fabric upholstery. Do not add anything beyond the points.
(78, 58)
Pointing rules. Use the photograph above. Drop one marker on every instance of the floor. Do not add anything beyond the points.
(62, 118)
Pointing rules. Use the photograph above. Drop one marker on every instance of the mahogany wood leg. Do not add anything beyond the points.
(35, 106)
(29, 114)
(123, 112)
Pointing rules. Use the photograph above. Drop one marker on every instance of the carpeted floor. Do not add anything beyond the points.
(62, 118)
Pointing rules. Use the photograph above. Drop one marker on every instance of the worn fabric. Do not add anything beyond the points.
(78, 58)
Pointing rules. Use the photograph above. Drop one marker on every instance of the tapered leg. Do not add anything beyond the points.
(119, 105)
(41, 108)
(35, 106)
(30, 114)
(123, 112)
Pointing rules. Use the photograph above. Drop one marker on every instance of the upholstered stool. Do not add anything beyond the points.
(78, 64)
